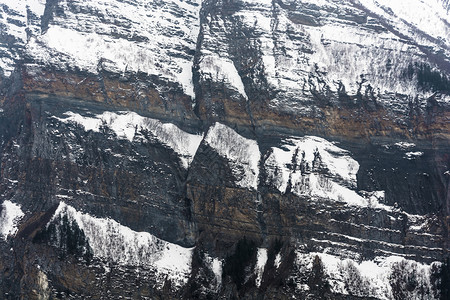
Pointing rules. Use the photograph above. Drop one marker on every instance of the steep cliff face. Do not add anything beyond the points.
(224, 149)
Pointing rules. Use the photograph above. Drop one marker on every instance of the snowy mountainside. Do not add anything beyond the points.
(118, 36)
(126, 125)
(242, 153)
(117, 244)
(305, 51)
(278, 149)
(314, 167)
(295, 50)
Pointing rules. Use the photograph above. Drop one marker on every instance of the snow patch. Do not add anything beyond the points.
(413, 155)
(336, 53)
(113, 242)
(127, 124)
(216, 265)
(261, 260)
(9, 218)
(371, 278)
(427, 16)
(314, 167)
(277, 261)
(243, 154)
(405, 145)
(18, 18)
(222, 69)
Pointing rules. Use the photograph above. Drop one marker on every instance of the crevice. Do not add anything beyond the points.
(198, 92)
(47, 17)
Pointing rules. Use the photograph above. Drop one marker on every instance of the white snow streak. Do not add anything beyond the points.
(9, 218)
(216, 265)
(222, 69)
(261, 260)
(277, 261)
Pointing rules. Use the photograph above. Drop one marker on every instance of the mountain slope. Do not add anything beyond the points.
(274, 148)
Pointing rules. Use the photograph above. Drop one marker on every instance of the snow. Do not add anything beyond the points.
(368, 278)
(267, 3)
(9, 218)
(349, 53)
(7, 66)
(427, 16)
(404, 145)
(332, 176)
(413, 155)
(137, 36)
(21, 14)
(126, 124)
(277, 261)
(222, 69)
(300, 60)
(242, 153)
(418, 223)
(261, 260)
(113, 242)
(216, 265)
(216, 63)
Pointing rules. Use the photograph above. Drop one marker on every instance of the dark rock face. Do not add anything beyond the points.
(222, 149)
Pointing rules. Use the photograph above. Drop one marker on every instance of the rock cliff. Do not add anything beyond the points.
(225, 149)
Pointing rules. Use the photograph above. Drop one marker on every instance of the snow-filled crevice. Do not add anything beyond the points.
(114, 243)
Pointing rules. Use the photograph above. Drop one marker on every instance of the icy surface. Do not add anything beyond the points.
(126, 124)
(243, 154)
(116, 243)
(371, 278)
(9, 217)
(312, 166)
(261, 260)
